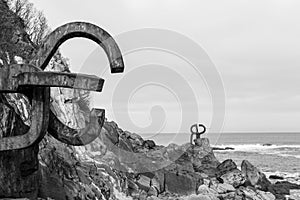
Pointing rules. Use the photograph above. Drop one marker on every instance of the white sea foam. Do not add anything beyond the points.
(280, 150)
(255, 147)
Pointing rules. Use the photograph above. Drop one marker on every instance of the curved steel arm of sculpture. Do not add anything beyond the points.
(59, 79)
(80, 29)
(81, 136)
(15, 78)
(39, 123)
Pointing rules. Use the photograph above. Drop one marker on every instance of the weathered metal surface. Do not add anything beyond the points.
(13, 77)
(77, 137)
(8, 76)
(35, 84)
(195, 131)
(39, 124)
(80, 29)
(47, 50)
(59, 79)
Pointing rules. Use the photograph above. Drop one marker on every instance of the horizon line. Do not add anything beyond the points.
(228, 132)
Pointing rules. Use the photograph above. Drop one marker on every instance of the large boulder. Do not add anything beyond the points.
(254, 177)
(226, 166)
(149, 183)
(223, 188)
(144, 182)
(203, 158)
(159, 180)
(132, 188)
(181, 183)
(234, 178)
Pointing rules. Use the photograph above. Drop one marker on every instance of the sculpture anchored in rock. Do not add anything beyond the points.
(195, 131)
(30, 80)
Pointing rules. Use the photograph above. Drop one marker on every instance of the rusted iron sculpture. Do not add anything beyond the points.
(35, 84)
(195, 131)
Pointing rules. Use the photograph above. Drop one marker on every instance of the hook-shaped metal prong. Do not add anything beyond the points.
(38, 128)
(94, 124)
(80, 29)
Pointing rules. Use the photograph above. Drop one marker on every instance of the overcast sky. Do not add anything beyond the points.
(254, 44)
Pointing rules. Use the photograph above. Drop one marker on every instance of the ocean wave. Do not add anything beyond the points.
(249, 147)
(272, 149)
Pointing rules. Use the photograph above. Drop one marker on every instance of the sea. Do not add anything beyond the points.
(274, 153)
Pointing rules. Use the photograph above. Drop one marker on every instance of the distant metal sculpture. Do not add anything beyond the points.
(195, 131)
(35, 84)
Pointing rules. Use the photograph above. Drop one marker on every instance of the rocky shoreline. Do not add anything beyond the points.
(122, 165)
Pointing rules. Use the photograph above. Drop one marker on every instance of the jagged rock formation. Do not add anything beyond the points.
(180, 179)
